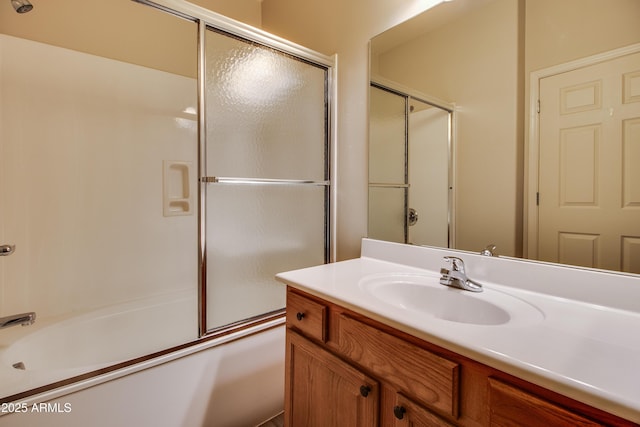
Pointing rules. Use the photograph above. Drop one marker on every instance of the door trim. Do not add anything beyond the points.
(532, 164)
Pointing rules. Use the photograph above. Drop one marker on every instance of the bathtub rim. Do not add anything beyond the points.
(21, 337)
(80, 382)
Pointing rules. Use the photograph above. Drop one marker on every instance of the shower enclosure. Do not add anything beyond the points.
(267, 174)
(409, 168)
(152, 186)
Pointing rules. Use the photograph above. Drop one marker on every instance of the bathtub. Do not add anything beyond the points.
(65, 346)
(212, 376)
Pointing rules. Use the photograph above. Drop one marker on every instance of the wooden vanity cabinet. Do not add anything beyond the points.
(407, 413)
(345, 369)
(512, 406)
(324, 390)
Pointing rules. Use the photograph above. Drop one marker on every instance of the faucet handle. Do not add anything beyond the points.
(446, 278)
(490, 250)
(457, 264)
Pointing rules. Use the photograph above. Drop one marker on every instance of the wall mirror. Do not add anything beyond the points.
(545, 142)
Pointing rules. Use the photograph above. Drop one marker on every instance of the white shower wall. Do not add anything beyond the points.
(82, 144)
(429, 176)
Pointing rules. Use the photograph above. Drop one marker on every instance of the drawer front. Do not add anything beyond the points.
(307, 316)
(511, 406)
(428, 378)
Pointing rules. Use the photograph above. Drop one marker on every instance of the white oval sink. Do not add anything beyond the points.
(424, 294)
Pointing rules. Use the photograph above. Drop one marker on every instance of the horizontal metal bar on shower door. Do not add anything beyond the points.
(261, 181)
(388, 185)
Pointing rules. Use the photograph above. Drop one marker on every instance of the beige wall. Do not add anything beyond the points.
(561, 31)
(121, 29)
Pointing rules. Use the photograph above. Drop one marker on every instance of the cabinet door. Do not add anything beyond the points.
(407, 413)
(323, 391)
(512, 407)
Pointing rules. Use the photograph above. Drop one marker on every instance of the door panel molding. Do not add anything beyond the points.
(533, 144)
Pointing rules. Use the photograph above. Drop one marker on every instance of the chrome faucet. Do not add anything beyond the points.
(457, 277)
(24, 319)
(490, 250)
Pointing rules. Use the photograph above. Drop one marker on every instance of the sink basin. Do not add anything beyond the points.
(424, 294)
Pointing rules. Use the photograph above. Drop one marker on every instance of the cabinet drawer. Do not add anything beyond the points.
(307, 316)
(511, 406)
(430, 379)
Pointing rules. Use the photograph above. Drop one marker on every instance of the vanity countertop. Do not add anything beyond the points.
(579, 348)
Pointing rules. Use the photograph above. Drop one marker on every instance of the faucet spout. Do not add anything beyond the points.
(457, 277)
(24, 319)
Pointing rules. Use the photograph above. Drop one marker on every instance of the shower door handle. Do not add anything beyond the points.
(412, 217)
(6, 250)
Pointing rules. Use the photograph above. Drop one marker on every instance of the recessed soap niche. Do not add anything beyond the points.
(177, 194)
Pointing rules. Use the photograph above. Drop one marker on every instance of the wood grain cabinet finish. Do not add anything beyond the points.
(345, 369)
(430, 379)
(308, 316)
(407, 413)
(324, 391)
(511, 406)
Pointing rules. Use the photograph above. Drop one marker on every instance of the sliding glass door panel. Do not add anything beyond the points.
(388, 137)
(266, 175)
(388, 223)
(266, 112)
(254, 232)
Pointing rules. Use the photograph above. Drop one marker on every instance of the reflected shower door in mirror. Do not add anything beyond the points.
(408, 168)
(489, 58)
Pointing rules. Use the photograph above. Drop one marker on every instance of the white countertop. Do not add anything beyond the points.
(578, 348)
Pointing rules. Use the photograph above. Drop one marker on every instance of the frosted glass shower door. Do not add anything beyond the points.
(387, 165)
(266, 174)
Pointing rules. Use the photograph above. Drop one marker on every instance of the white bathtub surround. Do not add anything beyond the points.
(228, 382)
(584, 343)
(82, 144)
(84, 141)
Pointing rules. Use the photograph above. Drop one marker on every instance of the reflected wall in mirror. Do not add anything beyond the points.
(479, 55)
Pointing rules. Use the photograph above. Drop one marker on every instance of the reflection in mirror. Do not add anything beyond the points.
(489, 58)
(408, 168)
(429, 142)
(387, 166)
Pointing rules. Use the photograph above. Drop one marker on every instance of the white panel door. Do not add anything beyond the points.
(589, 180)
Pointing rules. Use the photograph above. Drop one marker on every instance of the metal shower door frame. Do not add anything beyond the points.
(207, 19)
(408, 94)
